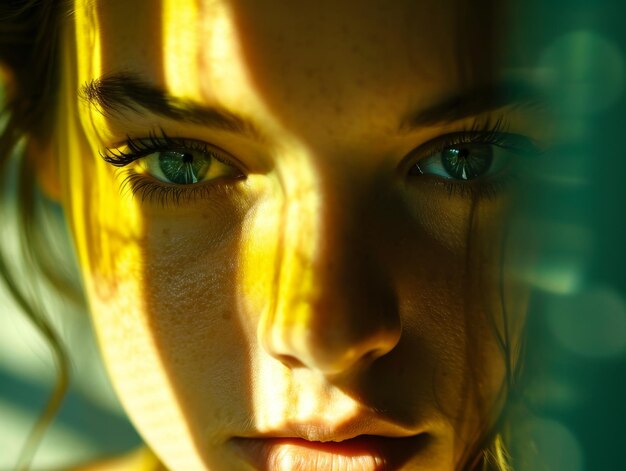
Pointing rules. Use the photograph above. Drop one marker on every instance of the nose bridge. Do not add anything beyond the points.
(332, 310)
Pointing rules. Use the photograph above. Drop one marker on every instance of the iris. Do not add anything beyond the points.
(184, 168)
(467, 163)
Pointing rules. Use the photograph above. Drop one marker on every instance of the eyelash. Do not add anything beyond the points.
(485, 132)
(147, 188)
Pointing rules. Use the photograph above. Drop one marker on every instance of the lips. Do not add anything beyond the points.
(362, 453)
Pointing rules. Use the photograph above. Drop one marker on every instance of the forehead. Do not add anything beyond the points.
(343, 59)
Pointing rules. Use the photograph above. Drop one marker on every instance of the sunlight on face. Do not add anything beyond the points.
(281, 247)
(280, 242)
(109, 239)
(181, 70)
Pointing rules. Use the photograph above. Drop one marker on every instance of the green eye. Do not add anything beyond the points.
(467, 163)
(460, 162)
(184, 168)
(187, 167)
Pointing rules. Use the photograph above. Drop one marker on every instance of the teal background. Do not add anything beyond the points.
(577, 328)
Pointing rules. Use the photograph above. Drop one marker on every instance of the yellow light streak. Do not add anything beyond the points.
(278, 281)
(180, 41)
(109, 235)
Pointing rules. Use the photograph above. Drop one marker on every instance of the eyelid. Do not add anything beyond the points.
(146, 186)
(133, 149)
(517, 143)
(510, 141)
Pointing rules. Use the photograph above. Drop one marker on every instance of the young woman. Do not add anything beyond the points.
(290, 220)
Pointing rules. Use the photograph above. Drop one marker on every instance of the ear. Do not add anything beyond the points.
(44, 162)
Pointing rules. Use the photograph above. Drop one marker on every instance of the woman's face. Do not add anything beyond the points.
(301, 262)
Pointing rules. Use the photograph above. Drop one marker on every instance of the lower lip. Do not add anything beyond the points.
(363, 453)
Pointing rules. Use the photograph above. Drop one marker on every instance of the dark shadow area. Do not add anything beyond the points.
(395, 257)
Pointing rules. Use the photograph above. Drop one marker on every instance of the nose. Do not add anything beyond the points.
(333, 310)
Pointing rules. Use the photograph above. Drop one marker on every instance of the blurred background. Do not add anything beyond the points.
(575, 412)
(576, 208)
(91, 423)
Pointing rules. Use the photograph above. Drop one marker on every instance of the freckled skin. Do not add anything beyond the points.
(327, 274)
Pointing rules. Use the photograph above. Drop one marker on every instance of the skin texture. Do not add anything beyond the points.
(327, 294)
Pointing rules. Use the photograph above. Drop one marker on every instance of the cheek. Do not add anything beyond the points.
(191, 297)
(446, 269)
(161, 290)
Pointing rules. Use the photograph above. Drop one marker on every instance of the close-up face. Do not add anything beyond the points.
(290, 221)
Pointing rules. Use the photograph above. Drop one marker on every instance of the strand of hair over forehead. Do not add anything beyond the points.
(28, 33)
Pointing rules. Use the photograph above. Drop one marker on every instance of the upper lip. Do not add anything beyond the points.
(338, 432)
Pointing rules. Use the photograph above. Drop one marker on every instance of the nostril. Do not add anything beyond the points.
(335, 330)
(327, 364)
(331, 355)
(372, 355)
(289, 361)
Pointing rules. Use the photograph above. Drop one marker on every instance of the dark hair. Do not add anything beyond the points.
(29, 54)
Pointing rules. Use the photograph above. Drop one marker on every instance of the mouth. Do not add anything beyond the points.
(362, 453)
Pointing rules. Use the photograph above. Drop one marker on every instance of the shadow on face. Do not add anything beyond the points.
(323, 292)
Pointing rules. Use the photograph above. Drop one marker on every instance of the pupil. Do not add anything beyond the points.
(187, 158)
(467, 163)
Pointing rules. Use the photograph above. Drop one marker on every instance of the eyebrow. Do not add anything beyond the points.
(473, 102)
(116, 93)
(124, 91)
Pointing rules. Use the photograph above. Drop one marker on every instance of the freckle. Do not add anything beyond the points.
(205, 216)
(226, 315)
(166, 231)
